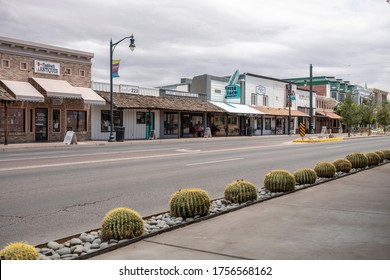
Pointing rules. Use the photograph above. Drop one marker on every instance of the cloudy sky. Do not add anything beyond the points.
(348, 39)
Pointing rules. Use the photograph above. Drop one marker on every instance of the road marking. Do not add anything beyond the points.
(187, 150)
(214, 161)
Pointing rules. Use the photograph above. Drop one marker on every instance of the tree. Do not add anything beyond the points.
(368, 110)
(383, 116)
(349, 111)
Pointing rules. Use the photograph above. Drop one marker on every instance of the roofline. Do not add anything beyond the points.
(38, 46)
(269, 78)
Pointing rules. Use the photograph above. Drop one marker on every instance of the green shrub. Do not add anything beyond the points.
(122, 223)
(305, 176)
(325, 169)
(188, 203)
(279, 181)
(373, 158)
(386, 153)
(342, 165)
(19, 251)
(358, 160)
(240, 191)
(381, 155)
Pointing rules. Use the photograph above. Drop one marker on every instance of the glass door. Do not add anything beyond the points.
(41, 124)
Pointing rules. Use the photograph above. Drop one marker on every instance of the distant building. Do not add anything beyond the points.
(44, 92)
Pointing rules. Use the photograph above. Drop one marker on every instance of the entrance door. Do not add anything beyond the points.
(41, 124)
(149, 123)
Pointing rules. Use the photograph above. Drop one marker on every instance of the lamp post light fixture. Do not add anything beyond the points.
(112, 48)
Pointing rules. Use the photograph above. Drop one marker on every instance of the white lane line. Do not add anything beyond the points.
(215, 161)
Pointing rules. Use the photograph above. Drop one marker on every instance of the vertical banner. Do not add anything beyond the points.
(115, 68)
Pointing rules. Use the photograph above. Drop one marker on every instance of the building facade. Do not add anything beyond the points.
(48, 92)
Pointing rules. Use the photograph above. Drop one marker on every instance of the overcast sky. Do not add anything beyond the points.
(348, 39)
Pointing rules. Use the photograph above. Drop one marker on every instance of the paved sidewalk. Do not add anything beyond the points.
(348, 218)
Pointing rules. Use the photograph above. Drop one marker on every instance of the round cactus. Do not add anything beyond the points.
(240, 191)
(279, 181)
(19, 251)
(386, 153)
(122, 223)
(381, 155)
(188, 203)
(373, 158)
(358, 160)
(305, 176)
(342, 165)
(325, 169)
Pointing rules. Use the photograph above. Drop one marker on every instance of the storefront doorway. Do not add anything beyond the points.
(189, 124)
(149, 123)
(41, 124)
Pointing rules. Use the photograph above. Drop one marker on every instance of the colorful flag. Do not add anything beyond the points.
(115, 68)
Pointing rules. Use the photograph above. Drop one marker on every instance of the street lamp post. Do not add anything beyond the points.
(311, 100)
(112, 48)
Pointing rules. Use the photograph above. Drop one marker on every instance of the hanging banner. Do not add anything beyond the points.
(115, 68)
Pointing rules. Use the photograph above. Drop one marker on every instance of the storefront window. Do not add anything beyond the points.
(267, 124)
(76, 120)
(56, 121)
(171, 123)
(141, 117)
(232, 120)
(105, 120)
(16, 120)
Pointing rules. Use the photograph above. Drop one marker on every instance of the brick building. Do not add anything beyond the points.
(44, 92)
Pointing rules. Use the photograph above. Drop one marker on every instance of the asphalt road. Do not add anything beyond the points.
(48, 193)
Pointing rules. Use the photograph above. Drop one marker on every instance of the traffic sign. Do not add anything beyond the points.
(302, 129)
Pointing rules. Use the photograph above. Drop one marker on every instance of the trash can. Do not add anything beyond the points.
(249, 131)
(120, 133)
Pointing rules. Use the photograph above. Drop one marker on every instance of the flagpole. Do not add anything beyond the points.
(112, 48)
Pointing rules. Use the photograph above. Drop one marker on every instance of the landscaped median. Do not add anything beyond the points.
(123, 226)
(317, 139)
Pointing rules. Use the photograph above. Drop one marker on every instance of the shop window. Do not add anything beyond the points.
(5, 63)
(171, 123)
(82, 73)
(253, 99)
(265, 100)
(23, 66)
(16, 120)
(56, 121)
(141, 117)
(68, 71)
(76, 120)
(267, 124)
(105, 120)
(232, 121)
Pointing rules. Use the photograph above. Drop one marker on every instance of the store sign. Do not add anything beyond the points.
(181, 93)
(260, 90)
(128, 89)
(233, 91)
(46, 67)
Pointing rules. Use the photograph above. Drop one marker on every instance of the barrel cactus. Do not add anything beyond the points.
(188, 203)
(279, 181)
(19, 251)
(121, 223)
(381, 155)
(240, 191)
(373, 158)
(386, 153)
(358, 160)
(325, 169)
(305, 176)
(342, 165)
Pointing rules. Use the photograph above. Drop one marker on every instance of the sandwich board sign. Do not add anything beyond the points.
(70, 138)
